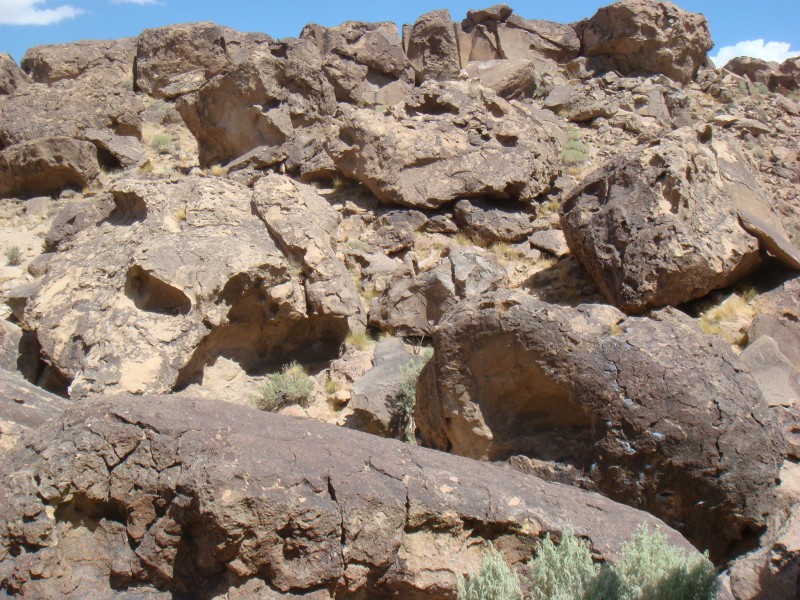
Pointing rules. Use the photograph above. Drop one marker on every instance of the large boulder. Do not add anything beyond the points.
(46, 166)
(490, 222)
(415, 299)
(432, 47)
(104, 63)
(140, 497)
(638, 37)
(755, 69)
(669, 222)
(276, 99)
(788, 75)
(178, 59)
(448, 141)
(365, 62)
(181, 273)
(650, 411)
(11, 76)
(23, 408)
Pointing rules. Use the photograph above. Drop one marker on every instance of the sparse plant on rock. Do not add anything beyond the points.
(161, 143)
(291, 386)
(574, 151)
(13, 256)
(494, 581)
(563, 571)
(359, 339)
(407, 397)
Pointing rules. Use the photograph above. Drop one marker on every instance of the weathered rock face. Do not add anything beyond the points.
(275, 98)
(46, 166)
(415, 299)
(181, 273)
(106, 63)
(450, 140)
(646, 37)
(788, 75)
(755, 69)
(365, 62)
(664, 224)
(11, 76)
(181, 501)
(178, 59)
(432, 48)
(649, 411)
(493, 222)
(23, 407)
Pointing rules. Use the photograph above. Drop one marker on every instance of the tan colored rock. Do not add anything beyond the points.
(450, 140)
(178, 59)
(365, 62)
(755, 69)
(490, 222)
(199, 497)
(11, 76)
(275, 99)
(177, 275)
(106, 63)
(46, 166)
(517, 78)
(650, 411)
(432, 47)
(661, 224)
(646, 37)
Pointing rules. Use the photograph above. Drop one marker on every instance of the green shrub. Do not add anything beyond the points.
(161, 143)
(406, 399)
(14, 256)
(574, 152)
(291, 386)
(649, 568)
(495, 581)
(563, 571)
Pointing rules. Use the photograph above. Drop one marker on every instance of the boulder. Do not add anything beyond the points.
(667, 222)
(178, 59)
(273, 101)
(47, 166)
(432, 48)
(181, 273)
(448, 141)
(778, 317)
(788, 75)
(755, 69)
(517, 79)
(23, 408)
(365, 62)
(649, 411)
(490, 222)
(74, 217)
(10, 337)
(644, 37)
(104, 63)
(415, 299)
(11, 76)
(375, 394)
(201, 498)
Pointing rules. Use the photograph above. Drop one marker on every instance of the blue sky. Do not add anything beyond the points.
(771, 26)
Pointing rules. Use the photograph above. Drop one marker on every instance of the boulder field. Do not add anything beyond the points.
(557, 263)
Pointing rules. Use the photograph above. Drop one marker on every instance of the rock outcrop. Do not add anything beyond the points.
(46, 166)
(648, 410)
(203, 498)
(178, 274)
(645, 37)
(450, 140)
(105, 63)
(432, 47)
(11, 76)
(668, 222)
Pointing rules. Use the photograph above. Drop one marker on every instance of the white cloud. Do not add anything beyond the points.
(770, 51)
(25, 12)
(135, 2)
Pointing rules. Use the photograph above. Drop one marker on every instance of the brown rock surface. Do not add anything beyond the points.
(275, 98)
(46, 166)
(365, 62)
(106, 63)
(450, 140)
(649, 411)
(200, 497)
(432, 48)
(646, 37)
(11, 76)
(667, 223)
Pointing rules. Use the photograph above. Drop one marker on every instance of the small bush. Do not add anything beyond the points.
(406, 399)
(563, 571)
(332, 386)
(574, 152)
(291, 386)
(161, 143)
(338, 183)
(14, 256)
(360, 340)
(218, 171)
(495, 581)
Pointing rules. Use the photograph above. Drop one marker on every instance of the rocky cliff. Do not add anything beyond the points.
(569, 250)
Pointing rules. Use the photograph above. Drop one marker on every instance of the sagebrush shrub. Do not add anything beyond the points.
(291, 386)
(406, 399)
(494, 581)
(14, 256)
(563, 571)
